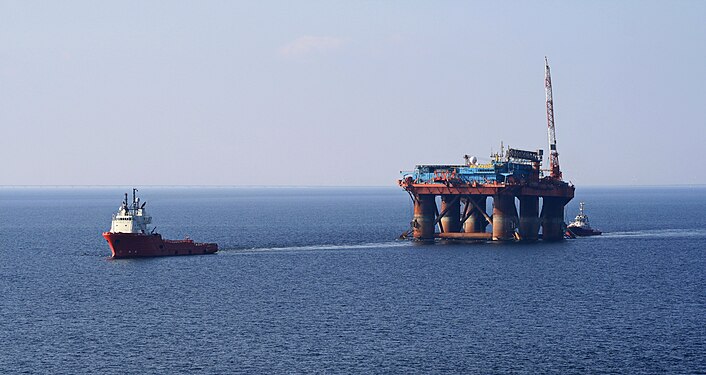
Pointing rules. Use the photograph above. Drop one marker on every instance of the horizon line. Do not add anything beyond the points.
(299, 186)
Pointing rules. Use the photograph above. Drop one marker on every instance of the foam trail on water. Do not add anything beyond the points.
(656, 233)
(377, 245)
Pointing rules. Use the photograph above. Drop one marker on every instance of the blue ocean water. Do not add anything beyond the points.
(312, 280)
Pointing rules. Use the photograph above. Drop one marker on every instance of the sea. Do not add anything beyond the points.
(315, 280)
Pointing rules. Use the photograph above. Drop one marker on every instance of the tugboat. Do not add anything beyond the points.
(129, 236)
(580, 226)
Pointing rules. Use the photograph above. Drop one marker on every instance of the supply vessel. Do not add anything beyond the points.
(130, 237)
(580, 226)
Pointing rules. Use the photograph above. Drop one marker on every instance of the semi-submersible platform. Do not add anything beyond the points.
(511, 175)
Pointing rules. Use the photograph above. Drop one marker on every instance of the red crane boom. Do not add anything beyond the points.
(554, 170)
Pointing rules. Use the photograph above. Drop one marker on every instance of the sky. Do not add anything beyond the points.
(346, 93)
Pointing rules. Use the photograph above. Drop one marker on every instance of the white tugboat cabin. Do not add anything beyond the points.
(131, 219)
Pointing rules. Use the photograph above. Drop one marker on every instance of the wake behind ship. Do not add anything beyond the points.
(129, 236)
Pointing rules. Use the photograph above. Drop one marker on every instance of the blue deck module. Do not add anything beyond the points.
(515, 167)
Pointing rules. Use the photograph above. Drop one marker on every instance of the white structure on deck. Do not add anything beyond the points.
(131, 219)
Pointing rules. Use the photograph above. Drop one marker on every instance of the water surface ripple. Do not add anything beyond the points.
(313, 280)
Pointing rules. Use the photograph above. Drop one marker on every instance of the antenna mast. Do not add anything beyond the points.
(555, 172)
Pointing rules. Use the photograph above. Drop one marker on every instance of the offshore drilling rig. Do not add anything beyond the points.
(511, 175)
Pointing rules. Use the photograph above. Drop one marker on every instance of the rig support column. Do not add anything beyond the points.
(553, 218)
(451, 221)
(529, 218)
(504, 214)
(423, 222)
(476, 222)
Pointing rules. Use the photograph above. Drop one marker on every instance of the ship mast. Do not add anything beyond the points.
(554, 170)
(134, 200)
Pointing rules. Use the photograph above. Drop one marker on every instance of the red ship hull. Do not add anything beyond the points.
(136, 245)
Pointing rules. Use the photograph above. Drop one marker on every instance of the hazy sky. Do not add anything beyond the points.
(345, 92)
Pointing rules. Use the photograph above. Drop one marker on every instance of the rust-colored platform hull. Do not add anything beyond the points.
(465, 236)
(507, 223)
(135, 245)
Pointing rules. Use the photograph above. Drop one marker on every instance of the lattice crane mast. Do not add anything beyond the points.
(554, 170)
